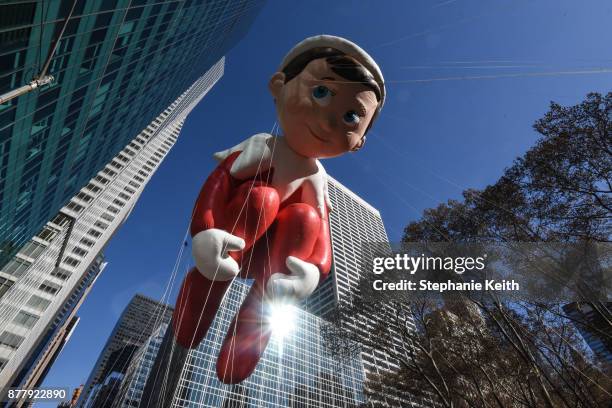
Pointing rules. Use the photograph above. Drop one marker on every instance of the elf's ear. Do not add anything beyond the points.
(359, 145)
(276, 84)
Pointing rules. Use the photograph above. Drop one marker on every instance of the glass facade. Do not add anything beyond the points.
(141, 317)
(118, 65)
(45, 277)
(138, 372)
(295, 371)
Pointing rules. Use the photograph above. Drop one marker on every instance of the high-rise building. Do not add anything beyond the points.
(296, 370)
(46, 281)
(117, 66)
(59, 332)
(140, 319)
(136, 375)
(353, 224)
(594, 326)
(357, 230)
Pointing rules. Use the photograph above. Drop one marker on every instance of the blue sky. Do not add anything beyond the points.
(465, 80)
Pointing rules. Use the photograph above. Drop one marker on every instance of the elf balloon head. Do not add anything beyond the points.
(327, 92)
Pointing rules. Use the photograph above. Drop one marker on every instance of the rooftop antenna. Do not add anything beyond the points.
(42, 78)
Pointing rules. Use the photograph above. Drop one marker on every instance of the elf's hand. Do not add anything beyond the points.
(297, 285)
(210, 253)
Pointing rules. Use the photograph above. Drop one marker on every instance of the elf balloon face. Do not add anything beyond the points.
(322, 114)
(266, 203)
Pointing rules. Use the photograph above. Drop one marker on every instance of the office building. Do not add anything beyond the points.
(353, 224)
(357, 230)
(137, 373)
(140, 319)
(48, 278)
(117, 66)
(59, 332)
(595, 330)
(296, 370)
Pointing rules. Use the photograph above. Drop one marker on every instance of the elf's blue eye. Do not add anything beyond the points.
(320, 92)
(322, 95)
(351, 118)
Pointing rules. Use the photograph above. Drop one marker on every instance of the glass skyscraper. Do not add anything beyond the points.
(118, 65)
(141, 318)
(296, 370)
(43, 284)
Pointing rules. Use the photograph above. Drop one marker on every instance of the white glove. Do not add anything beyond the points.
(209, 249)
(296, 286)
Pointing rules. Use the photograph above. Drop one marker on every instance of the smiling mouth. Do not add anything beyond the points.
(315, 135)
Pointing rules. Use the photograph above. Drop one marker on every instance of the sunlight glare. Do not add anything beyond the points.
(282, 319)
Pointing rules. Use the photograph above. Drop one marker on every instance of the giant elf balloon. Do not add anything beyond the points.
(263, 212)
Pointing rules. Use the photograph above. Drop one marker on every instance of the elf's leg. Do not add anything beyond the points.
(294, 234)
(248, 215)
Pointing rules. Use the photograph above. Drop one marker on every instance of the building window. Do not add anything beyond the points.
(49, 287)
(61, 274)
(71, 261)
(11, 340)
(101, 225)
(102, 180)
(85, 197)
(25, 319)
(93, 188)
(110, 172)
(5, 285)
(118, 202)
(61, 220)
(87, 242)
(107, 217)
(16, 267)
(38, 303)
(75, 207)
(47, 234)
(79, 251)
(94, 233)
(32, 249)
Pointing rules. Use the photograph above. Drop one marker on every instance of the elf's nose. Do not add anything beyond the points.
(329, 122)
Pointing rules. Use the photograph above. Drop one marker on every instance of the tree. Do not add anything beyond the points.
(467, 352)
(560, 190)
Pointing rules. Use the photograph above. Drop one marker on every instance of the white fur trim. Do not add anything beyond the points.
(347, 47)
(290, 171)
(209, 249)
(295, 287)
(255, 154)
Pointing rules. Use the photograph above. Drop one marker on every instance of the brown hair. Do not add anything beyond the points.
(341, 64)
